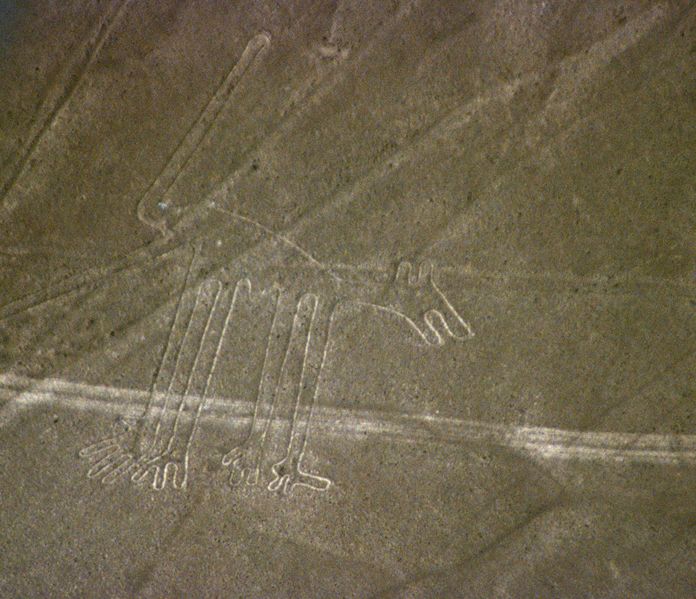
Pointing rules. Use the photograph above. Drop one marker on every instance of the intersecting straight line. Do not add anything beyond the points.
(541, 442)
(52, 104)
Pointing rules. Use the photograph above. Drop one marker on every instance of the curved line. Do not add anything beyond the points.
(396, 313)
(452, 309)
(282, 238)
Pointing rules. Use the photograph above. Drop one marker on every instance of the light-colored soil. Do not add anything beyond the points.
(347, 299)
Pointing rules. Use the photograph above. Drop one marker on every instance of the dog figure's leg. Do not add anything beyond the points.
(173, 461)
(288, 472)
(244, 460)
(188, 386)
(130, 451)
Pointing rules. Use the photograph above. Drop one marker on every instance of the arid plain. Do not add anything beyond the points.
(347, 299)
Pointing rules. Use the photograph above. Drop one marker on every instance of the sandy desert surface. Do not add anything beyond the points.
(347, 298)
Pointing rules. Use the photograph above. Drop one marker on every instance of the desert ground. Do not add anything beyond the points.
(347, 298)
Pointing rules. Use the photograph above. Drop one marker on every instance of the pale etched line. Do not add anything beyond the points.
(177, 313)
(143, 255)
(194, 366)
(272, 137)
(172, 463)
(230, 457)
(574, 71)
(288, 472)
(197, 131)
(245, 458)
(326, 82)
(425, 303)
(161, 247)
(202, 405)
(168, 348)
(295, 328)
(319, 483)
(3, 310)
(622, 278)
(282, 238)
(580, 67)
(564, 444)
(454, 119)
(312, 405)
(448, 308)
(547, 442)
(92, 277)
(50, 108)
(587, 282)
(183, 345)
(45, 250)
(402, 317)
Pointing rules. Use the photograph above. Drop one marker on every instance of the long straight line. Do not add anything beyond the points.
(539, 442)
(197, 131)
(53, 103)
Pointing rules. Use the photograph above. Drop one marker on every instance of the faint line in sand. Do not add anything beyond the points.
(54, 101)
(574, 72)
(89, 278)
(626, 284)
(540, 442)
(454, 119)
(577, 69)
(195, 134)
(271, 233)
(141, 256)
(619, 283)
(310, 93)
